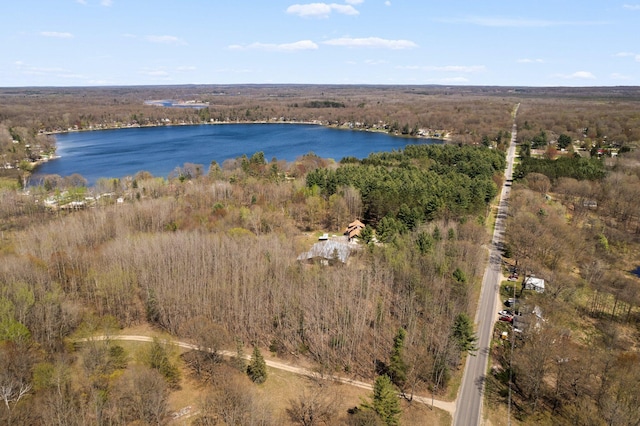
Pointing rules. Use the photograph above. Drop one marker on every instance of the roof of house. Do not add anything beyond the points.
(534, 282)
(329, 250)
(353, 232)
(355, 223)
(354, 228)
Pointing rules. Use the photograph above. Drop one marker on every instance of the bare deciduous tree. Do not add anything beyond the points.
(312, 408)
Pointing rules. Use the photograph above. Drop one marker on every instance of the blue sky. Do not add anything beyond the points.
(447, 42)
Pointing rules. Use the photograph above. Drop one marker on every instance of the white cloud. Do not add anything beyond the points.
(186, 68)
(354, 2)
(284, 47)
(582, 75)
(344, 9)
(499, 21)
(56, 34)
(317, 10)
(387, 3)
(165, 39)
(374, 42)
(530, 61)
(635, 56)
(632, 6)
(81, 1)
(321, 10)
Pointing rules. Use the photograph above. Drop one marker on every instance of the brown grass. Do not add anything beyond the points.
(282, 388)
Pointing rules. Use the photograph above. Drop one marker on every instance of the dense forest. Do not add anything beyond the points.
(214, 257)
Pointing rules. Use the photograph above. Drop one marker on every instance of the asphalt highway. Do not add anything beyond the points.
(469, 402)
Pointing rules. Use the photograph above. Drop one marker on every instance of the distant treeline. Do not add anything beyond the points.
(323, 104)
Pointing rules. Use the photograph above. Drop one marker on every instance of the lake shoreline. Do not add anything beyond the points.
(346, 126)
(167, 147)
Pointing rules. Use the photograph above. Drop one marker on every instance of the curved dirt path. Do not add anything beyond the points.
(443, 405)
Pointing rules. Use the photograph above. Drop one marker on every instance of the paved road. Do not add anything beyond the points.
(443, 405)
(469, 401)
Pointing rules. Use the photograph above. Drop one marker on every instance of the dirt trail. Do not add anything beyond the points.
(443, 405)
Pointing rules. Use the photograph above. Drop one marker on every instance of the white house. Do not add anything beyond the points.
(533, 283)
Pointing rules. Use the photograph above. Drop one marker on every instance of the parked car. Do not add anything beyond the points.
(511, 302)
(506, 318)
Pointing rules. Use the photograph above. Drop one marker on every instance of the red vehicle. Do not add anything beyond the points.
(506, 317)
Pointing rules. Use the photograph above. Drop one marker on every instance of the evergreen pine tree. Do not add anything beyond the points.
(385, 401)
(366, 235)
(436, 234)
(397, 366)
(158, 359)
(463, 333)
(257, 368)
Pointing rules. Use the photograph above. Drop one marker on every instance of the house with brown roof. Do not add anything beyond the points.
(354, 229)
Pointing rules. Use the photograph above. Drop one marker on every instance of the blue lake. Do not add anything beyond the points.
(159, 150)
